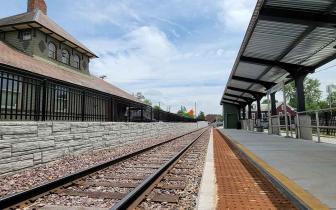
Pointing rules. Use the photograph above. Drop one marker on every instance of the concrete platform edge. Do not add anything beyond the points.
(207, 196)
(300, 197)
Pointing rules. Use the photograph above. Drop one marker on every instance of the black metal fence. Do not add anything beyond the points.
(327, 120)
(25, 96)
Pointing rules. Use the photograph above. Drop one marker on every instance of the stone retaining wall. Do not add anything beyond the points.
(27, 144)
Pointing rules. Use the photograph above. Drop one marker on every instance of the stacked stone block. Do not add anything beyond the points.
(28, 144)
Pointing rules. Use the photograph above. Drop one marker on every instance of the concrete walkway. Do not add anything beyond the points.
(207, 197)
(310, 165)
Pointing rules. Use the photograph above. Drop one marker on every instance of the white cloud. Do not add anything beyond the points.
(236, 14)
(145, 60)
(164, 50)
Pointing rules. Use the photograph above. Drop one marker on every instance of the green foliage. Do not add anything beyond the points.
(201, 116)
(157, 107)
(182, 111)
(331, 97)
(323, 104)
(148, 102)
(312, 93)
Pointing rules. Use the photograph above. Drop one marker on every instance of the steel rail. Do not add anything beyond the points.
(128, 201)
(21, 197)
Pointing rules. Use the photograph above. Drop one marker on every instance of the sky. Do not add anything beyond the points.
(174, 52)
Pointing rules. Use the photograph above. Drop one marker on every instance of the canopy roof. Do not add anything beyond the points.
(285, 38)
(36, 19)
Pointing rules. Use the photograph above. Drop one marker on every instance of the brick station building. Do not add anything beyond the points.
(45, 75)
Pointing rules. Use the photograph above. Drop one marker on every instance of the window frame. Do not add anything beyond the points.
(54, 53)
(6, 89)
(23, 35)
(76, 64)
(67, 61)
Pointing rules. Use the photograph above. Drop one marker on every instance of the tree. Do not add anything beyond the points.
(157, 107)
(201, 116)
(331, 97)
(312, 93)
(182, 111)
(191, 113)
(148, 102)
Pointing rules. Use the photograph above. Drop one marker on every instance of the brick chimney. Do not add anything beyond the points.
(37, 4)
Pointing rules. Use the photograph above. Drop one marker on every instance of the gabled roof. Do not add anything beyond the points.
(36, 19)
(264, 107)
(284, 38)
(14, 58)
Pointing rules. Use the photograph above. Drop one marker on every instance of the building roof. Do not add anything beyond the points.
(264, 107)
(36, 19)
(284, 38)
(12, 57)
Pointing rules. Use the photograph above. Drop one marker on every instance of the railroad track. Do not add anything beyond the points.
(121, 183)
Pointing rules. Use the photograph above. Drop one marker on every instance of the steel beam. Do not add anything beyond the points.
(285, 66)
(254, 93)
(236, 101)
(242, 97)
(267, 85)
(229, 102)
(297, 16)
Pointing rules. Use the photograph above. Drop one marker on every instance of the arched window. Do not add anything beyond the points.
(76, 61)
(65, 57)
(52, 50)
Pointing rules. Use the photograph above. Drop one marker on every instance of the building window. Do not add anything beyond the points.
(76, 61)
(62, 99)
(26, 35)
(10, 91)
(52, 50)
(65, 57)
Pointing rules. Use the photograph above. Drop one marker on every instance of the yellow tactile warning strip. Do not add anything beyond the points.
(305, 197)
(239, 184)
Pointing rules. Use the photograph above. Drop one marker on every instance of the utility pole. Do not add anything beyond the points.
(195, 110)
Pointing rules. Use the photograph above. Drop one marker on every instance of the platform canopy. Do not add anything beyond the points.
(285, 38)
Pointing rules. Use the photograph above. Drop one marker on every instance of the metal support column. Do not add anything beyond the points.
(244, 112)
(250, 111)
(142, 114)
(129, 113)
(273, 104)
(258, 109)
(285, 109)
(223, 116)
(44, 99)
(151, 114)
(83, 105)
(270, 128)
(300, 95)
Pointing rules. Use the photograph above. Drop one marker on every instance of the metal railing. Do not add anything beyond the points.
(31, 97)
(282, 125)
(322, 122)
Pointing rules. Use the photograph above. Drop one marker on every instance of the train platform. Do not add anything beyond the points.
(304, 169)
